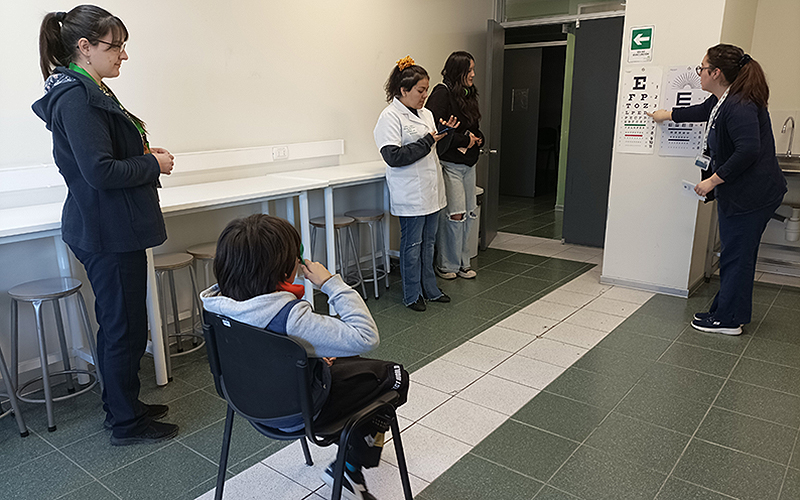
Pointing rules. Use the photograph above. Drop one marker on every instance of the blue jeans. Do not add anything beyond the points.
(417, 236)
(740, 236)
(452, 241)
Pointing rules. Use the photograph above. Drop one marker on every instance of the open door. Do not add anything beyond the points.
(488, 166)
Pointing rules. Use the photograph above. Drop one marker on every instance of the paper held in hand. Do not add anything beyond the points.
(688, 190)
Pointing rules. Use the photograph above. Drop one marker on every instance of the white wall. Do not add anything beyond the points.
(206, 74)
(651, 225)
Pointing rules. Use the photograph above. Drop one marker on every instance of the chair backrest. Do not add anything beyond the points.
(263, 375)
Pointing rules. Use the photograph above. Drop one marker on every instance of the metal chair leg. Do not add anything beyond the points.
(372, 255)
(48, 394)
(223, 459)
(401, 458)
(385, 246)
(14, 342)
(23, 430)
(358, 263)
(164, 332)
(176, 322)
(306, 451)
(62, 340)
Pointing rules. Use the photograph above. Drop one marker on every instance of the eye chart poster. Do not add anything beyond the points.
(681, 88)
(636, 131)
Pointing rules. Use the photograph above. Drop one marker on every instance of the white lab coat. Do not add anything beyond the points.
(416, 189)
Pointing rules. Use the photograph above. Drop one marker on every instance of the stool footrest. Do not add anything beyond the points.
(88, 387)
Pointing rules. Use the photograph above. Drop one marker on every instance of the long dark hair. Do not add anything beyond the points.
(745, 75)
(254, 255)
(404, 79)
(60, 32)
(455, 72)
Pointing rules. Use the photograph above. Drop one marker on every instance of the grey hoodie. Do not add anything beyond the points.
(321, 335)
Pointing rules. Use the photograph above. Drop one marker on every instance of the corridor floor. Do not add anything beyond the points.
(536, 382)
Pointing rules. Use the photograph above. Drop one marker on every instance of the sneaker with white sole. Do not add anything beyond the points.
(445, 275)
(353, 485)
(466, 273)
(712, 325)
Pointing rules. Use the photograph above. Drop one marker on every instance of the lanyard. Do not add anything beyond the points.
(712, 119)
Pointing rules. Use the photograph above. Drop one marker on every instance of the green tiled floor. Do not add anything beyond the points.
(78, 462)
(658, 411)
(530, 216)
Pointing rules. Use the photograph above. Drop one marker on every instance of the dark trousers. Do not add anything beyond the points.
(119, 281)
(740, 236)
(355, 381)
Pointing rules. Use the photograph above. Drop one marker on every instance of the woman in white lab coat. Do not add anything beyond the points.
(405, 135)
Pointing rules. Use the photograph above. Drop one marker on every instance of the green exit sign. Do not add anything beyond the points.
(641, 38)
(641, 44)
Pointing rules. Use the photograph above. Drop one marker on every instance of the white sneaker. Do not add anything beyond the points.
(445, 275)
(466, 273)
(353, 485)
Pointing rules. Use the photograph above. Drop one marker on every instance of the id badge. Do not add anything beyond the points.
(702, 161)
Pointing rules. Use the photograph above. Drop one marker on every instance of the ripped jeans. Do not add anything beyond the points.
(417, 236)
(452, 241)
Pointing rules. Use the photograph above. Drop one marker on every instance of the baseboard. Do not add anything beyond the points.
(645, 287)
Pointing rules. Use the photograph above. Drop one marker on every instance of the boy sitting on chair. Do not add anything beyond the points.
(256, 257)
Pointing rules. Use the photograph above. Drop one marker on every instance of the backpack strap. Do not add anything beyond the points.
(278, 323)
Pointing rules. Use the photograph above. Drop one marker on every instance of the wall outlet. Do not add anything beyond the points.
(280, 153)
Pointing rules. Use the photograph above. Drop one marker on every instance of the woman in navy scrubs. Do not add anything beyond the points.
(742, 172)
(111, 214)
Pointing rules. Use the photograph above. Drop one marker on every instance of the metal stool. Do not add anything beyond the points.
(340, 223)
(373, 218)
(167, 264)
(12, 398)
(37, 292)
(205, 253)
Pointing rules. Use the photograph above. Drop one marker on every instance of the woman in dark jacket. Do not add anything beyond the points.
(743, 173)
(111, 214)
(458, 152)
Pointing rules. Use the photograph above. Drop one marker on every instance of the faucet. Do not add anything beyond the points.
(791, 135)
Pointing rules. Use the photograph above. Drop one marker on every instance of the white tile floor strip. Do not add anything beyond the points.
(460, 398)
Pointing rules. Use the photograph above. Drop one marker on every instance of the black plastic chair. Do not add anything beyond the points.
(265, 375)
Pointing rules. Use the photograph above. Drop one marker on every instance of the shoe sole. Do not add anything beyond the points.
(468, 277)
(446, 276)
(724, 331)
(142, 440)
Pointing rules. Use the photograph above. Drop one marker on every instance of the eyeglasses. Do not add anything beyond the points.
(114, 47)
(700, 69)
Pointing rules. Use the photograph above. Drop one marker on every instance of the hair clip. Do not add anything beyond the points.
(405, 63)
(744, 60)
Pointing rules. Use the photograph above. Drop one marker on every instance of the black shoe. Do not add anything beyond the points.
(443, 298)
(711, 325)
(703, 315)
(353, 485)
(154, 412)
(419, 305)
(153, 433)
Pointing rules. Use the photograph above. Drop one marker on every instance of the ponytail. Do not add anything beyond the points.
(745, 74)
(60, 32)
(51, 50)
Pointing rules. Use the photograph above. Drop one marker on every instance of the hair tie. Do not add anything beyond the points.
(744, 60)
(60, 16)
(405, 63)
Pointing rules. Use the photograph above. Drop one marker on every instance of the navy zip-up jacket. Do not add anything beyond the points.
(743, 153)
(112, 202)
